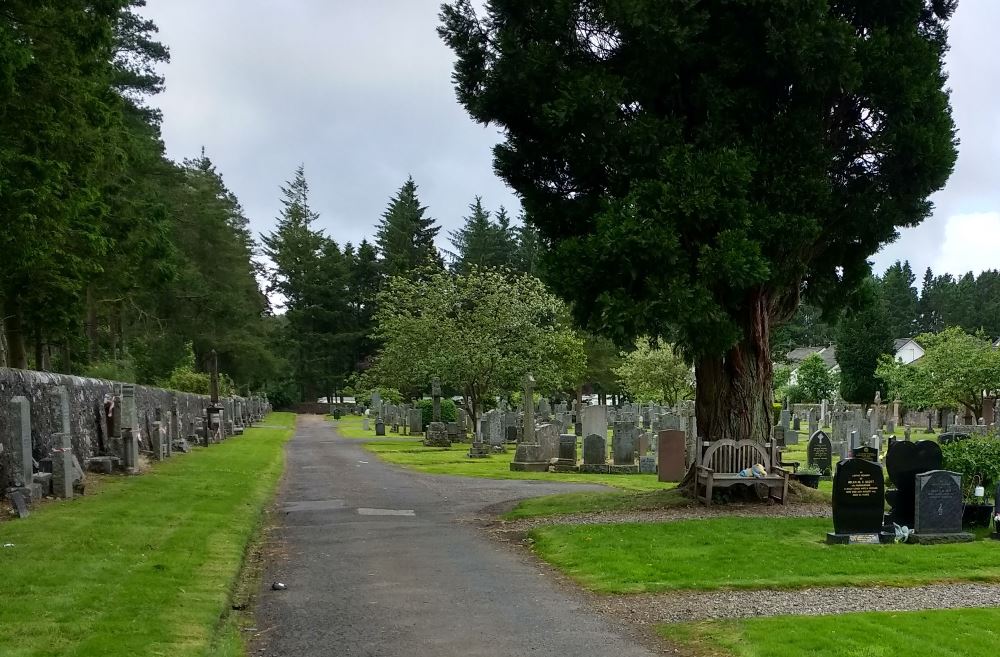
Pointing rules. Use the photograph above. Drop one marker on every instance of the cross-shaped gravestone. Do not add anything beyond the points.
(436, 394)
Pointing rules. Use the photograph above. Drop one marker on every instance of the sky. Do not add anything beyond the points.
(360, 93)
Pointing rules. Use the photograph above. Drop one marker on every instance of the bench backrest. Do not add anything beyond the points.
(731, 456)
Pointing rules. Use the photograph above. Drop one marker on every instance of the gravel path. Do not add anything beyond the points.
(695, 512)
(692, 606)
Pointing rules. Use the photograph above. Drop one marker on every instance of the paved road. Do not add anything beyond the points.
(363, 580)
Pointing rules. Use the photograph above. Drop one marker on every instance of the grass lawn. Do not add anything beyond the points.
(882, 634)
(727, 553)
(146, 565)
(569, 503)
(454, 460)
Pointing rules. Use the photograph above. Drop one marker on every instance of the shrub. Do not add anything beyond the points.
(979, 455)
(448, 410)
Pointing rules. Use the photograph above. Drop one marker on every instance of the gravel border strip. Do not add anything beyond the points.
(714, 605)
(670, 515)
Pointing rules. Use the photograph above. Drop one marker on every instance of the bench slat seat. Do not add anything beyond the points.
(720, 462)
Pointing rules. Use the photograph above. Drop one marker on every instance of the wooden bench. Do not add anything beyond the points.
(720, 462)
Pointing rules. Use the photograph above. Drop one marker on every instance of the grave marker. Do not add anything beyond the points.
(819, 451)
(939, 508)
(858, 503)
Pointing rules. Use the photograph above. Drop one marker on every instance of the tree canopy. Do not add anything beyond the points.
(956, 370)
(699, 169)
(655, 372)
(864, 335)
(479, 332)
(405, 236)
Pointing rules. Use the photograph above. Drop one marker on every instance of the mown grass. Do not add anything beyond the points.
(570, 503)
(874, 634)
(454, 460)
(145, 566)
(748, 553)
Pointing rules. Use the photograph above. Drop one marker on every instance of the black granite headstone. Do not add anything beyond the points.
(858, 503)
(867, 453)
(996, 515)
(904, 461)
(819, 451)
(939, 503)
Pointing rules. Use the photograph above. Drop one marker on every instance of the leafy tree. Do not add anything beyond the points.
(655, 372)
(701, 168)
(404, 236)
(864, 335)
(956, 370)
(814, 380)
(479, 332)
(806, 328)
(899, 296)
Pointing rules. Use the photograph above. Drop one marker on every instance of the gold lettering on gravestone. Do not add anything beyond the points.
(861, 484)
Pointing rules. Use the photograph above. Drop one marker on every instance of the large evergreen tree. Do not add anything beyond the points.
(699, 167)
(864, 334)
(900, 298)
(405, 236)
(482, 241)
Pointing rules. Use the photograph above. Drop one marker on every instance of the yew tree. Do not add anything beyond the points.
(696, 169)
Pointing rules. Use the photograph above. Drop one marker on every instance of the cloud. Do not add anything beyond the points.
(971, 243)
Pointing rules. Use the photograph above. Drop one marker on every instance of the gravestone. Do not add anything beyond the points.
(528, 431)
(647, 465)
(858, 503)
(497, 437)
(796, 423)
(904, 461)
(436, 435)
(938, 508)
(380, 427)
(416, 421)
(528, 457)
(996, 515)
(130, 443)
(866, 453)
(19, 503)
(21, 447)
(624, 443)
(670, 452)
(547, 436)
(365, 426)
(595, 450)
(595, 420)
(62, 467)
(819, 452)
(791, 437)
(567, 451)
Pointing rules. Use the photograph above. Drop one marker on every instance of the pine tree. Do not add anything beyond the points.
(863, 335)
(405, 236)
(900, 298)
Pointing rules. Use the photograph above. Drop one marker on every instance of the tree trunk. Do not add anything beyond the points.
(14, 327)
(734, 394)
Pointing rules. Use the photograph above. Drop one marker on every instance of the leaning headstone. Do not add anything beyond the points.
(20, 504)
(819, 452)
(939, 508)
(858, 503)
(903, 462)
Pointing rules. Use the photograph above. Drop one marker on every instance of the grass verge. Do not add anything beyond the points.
(874, 634)
(722, 553)
(147, 565)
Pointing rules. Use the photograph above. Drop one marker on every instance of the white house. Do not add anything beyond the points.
(907, 350)
(799, 354)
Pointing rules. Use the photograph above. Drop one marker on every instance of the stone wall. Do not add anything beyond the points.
(86, 415)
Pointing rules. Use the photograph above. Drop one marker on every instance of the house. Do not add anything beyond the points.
(799, 354)
(906, 350)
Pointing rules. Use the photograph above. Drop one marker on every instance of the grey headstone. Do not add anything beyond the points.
(20, 504)
(938, 503)
(647, 465)
(624, 443)
(21, 448)
(595, 449)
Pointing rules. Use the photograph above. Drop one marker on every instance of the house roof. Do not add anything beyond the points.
(799, 354)
(899, 343)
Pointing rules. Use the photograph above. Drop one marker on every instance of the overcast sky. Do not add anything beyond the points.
(360, 92)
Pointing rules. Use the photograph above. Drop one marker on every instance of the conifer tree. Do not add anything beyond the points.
(405, 236)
